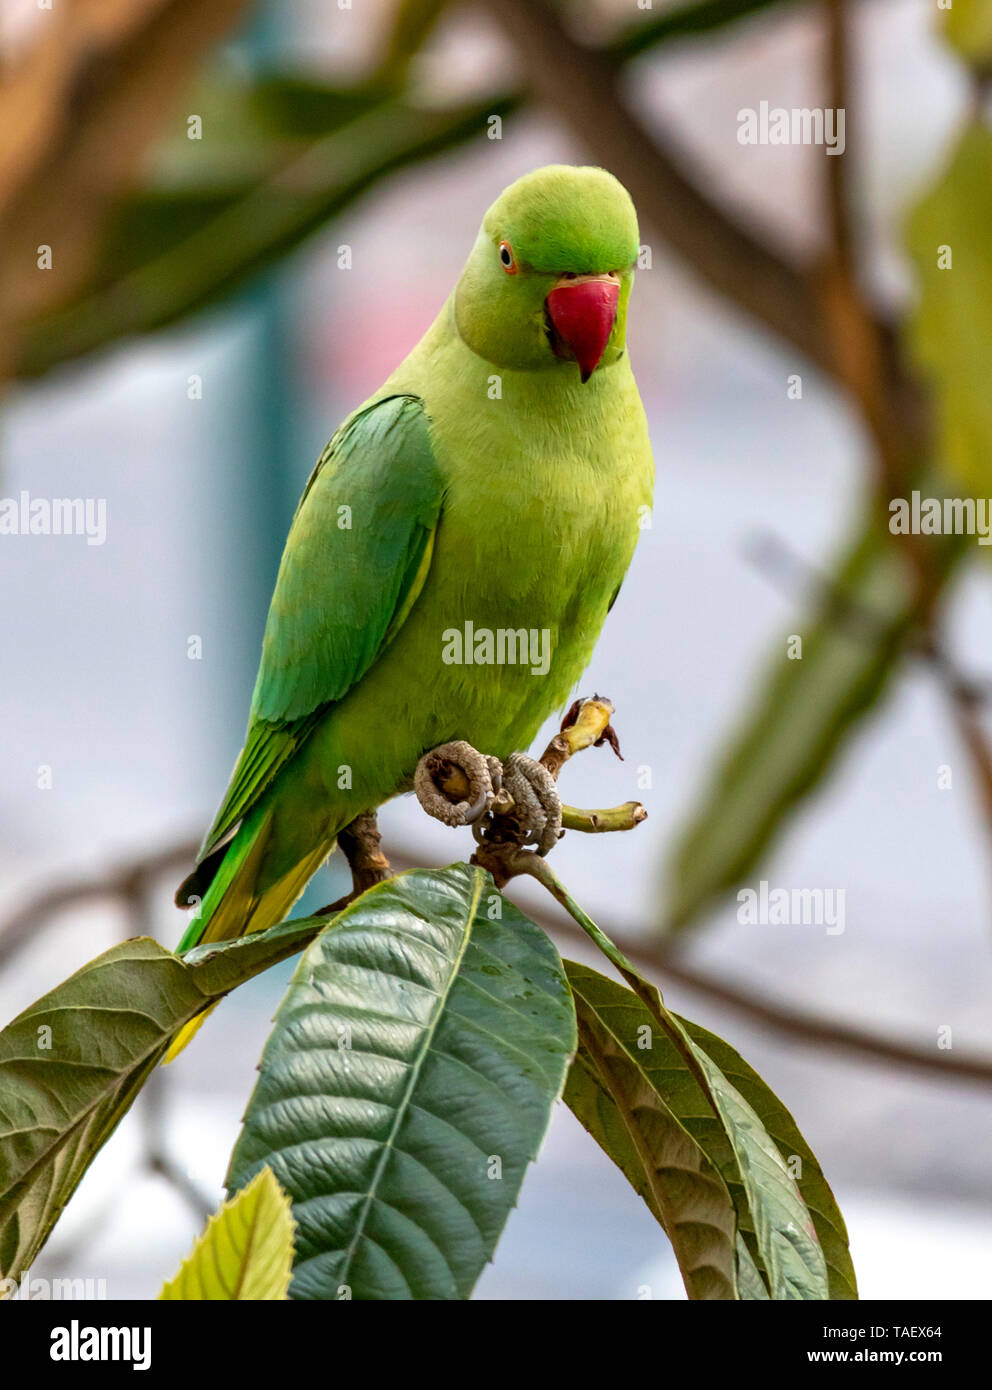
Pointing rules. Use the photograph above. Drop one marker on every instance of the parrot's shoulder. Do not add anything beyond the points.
(388, 437)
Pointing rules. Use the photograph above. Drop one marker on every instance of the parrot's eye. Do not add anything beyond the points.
(506, 258)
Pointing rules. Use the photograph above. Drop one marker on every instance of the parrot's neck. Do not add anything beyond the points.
(442, 361)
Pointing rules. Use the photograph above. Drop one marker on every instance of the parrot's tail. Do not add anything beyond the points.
(235, 903)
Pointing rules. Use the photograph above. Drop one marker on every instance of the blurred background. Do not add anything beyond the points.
(253, 212)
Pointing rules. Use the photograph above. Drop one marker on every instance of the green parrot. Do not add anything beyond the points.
(498, 478)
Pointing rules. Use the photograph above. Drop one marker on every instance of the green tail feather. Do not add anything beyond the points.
(234, 904)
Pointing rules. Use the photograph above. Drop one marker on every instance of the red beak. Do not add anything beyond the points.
(582, 313)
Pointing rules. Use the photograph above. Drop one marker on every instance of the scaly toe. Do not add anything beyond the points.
(536, 797)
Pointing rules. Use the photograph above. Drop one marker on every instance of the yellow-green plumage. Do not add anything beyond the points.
(483, 483)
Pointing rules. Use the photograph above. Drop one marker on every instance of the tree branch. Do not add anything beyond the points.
(808, 1030)
(581, 84)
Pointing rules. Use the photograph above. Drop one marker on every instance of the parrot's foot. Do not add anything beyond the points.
(456, 784)
(515, 803)
(536, 813)
(360, 843)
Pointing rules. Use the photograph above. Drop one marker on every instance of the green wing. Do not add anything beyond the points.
(355, 561)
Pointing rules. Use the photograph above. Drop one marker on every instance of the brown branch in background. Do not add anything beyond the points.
(805, 1029)
(115, 886)
(811, 1030)
(966, 698)
(862, 357)
(582, 85)
(77, 111)
(839, 185)
(818, 308)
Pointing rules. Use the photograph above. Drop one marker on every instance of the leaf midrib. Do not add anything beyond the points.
(415, 1070)
(666, 1211)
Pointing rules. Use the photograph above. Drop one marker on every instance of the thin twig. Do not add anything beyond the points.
(839, 185)
(115, 885)
(965, 697)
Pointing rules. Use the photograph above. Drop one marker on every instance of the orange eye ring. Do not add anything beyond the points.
(506, 258)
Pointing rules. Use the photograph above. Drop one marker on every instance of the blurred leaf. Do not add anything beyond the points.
(413, 23)
(406, 1085)
(615, 1096)
(691, 21)
(951, 330)
(279, 158)
(72, 1064)
(78, 110)
(246, 1251)
(799, 720)
(813, 1186)
(968, 28)
(175, 252)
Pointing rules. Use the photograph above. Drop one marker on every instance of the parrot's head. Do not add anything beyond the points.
(547, 283)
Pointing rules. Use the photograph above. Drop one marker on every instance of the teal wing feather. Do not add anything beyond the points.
(356, 558)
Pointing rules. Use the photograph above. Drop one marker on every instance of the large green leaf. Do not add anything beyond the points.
(612, 1094)
(786, 1240)
(72, 1064)
(782, 1128)
(246, 1251)
(407, 1084)
(801, 717)
(750, 1285)
(770, 1210)
(951, 330)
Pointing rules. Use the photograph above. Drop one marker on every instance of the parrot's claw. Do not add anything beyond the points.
(536, 801)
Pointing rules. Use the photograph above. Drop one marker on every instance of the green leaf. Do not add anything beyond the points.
(800, 719)
(784, 1131)
(72, 1064)
(750, 1285)
(785, 1236)
(770, 1208)
(968, 28)
(246, 1251)
(950, 333)
(614, 1095)
(692, 21)
(406, 1085)
(413, 23)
